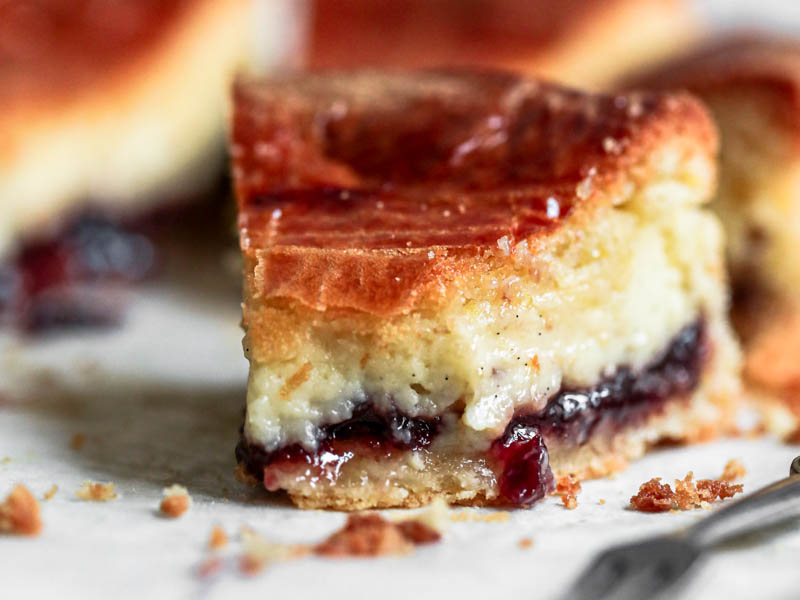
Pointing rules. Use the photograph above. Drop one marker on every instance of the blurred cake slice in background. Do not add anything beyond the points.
(109, 108)
(582, 42)
(751, 82)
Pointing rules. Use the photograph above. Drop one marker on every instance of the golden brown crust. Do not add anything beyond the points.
(54, 52)
(765, 63)
(375, 192)
(118, 102)
(52, 48)
(540, 36)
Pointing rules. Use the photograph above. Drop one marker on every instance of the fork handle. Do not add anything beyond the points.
(771, 505)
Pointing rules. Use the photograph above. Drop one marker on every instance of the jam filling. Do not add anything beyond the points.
(626, 398)
(382, 432)
(519, 456)
(46, 284)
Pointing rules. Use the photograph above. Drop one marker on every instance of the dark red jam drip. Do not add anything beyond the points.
(575, 414)
(520, 455)
(368, 428)
(526, 475)
(42, 286)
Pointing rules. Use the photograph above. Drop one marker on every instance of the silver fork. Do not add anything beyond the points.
(650, 568)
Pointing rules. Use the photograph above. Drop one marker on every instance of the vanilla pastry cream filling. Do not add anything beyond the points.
(612, 292)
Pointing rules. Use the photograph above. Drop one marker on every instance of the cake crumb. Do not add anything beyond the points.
(218, 538)
(258, 552)
(469, 516)
(78, 440)
(418, 533)
(365, 535)
(435, 516)
(176, 501)
(210, 566)
(525, 543)
(601, 501)
(92, 491)
(654, 496)
(568, 488)
(734, 469)
(51, 492)
(19, 513)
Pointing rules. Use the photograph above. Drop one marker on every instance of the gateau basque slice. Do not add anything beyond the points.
(751, 83)
(108, 111)
(467, 284)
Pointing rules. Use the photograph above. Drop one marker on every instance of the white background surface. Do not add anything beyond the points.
(160, 402)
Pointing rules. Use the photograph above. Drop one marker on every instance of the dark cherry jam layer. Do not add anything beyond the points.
(520, 455)
(46, 284)
(372, 430)
(624, 399)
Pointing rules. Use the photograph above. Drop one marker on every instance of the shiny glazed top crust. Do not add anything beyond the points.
(372, 191)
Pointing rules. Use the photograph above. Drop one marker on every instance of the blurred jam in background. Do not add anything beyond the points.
(113, 112)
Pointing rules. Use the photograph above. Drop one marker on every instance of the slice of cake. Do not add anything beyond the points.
(582, 42)
(752, 85)
(108, 109)
(466, 284)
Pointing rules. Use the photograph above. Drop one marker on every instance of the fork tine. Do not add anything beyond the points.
(635, 571)
(599, 579)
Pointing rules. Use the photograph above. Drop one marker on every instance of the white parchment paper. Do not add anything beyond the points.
(160, 402)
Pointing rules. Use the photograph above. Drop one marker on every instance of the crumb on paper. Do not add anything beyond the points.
(51, 492)
(19, 513)
(258, 552)
(601, 501)
(734, 469)
(218, 538)
(525, 543)
(568, 488)
(176, 501)
(363, 535)
(474, 516)
(436, 516)
(654, 496)
(93, 491)
(209, 566)
(78, 441)
(5, 460)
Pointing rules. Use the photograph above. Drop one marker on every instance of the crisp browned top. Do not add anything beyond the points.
(363, 190)
(767, 63)
(51, 48)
